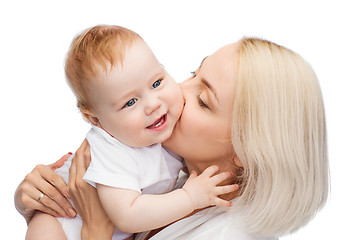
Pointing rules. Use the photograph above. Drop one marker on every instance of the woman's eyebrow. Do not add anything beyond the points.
(203, 60)
(210, 87)
(197, 70)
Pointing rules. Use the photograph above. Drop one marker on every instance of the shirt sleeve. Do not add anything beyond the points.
(111, 162)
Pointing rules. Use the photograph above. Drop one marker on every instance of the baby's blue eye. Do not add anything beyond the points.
(156, 84)
(130, 102)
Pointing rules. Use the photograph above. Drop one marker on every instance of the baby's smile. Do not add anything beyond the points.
(159, 124)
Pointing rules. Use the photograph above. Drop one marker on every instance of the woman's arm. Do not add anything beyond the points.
(96, 224)
(132, 212)
(44, 190)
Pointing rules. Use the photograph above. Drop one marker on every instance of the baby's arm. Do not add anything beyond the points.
(132, 212)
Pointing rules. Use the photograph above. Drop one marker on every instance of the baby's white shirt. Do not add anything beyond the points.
(148, 170)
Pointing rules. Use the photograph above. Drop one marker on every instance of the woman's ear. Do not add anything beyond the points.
(91, 117)
(237, 161)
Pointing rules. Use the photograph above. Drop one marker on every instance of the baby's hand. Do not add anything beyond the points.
(203, 189)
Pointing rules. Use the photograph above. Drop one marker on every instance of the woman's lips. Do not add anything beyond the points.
(159, 124)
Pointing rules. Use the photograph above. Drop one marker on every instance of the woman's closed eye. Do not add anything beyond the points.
(202, 103)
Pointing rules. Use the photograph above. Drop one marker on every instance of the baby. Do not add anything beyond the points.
(133, 105)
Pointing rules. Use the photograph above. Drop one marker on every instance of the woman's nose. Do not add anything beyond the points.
(185, 86)
(152, 105)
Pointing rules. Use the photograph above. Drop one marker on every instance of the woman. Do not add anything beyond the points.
(253, 108)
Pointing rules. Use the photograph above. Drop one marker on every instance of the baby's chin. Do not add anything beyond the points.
(169, 140)
(166, 137)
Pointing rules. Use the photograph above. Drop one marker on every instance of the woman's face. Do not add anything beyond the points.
(202, 134)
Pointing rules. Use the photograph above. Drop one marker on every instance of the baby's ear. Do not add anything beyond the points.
(90, 117)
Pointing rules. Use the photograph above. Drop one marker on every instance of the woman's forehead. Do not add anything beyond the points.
(222, 62)
(227, 50)
(219, 70)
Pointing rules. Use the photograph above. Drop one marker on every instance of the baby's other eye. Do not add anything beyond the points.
(157, 83)
(193, 74)
(130, 102)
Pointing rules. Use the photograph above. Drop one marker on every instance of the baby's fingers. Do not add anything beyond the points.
(210, 171)
(219, 178)
(193, 174)
(222, 203)
(226, 189)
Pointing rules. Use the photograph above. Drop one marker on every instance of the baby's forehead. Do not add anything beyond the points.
(138, 62)
(112, 56)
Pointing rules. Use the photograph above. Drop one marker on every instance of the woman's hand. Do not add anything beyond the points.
(44, 190)
(96, 224)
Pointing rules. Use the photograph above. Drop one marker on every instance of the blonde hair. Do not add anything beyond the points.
(97, 46)
(279, 135)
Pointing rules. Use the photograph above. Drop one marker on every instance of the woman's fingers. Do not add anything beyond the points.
(60, 162)
(52, 198)
(85, 196)
(29, 201)
(43, 189)
(72, 176)
(32, 197)
(87, 158)
(54, 187)
(43, 180)
(77, 168)
(55, 180)
(83, 162)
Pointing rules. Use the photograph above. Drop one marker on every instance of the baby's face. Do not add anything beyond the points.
(139, 103)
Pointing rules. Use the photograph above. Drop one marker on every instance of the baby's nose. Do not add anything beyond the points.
(152, 105)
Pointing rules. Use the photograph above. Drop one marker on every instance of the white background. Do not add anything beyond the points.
(39, 121)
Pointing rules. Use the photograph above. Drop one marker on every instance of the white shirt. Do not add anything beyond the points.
(148, 170)
(217, 223)
(212, 223)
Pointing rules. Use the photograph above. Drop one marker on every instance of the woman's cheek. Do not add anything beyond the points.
(186, 118)
(191, 123)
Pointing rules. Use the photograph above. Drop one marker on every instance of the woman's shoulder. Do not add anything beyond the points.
(223, 223)
(212, 223)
